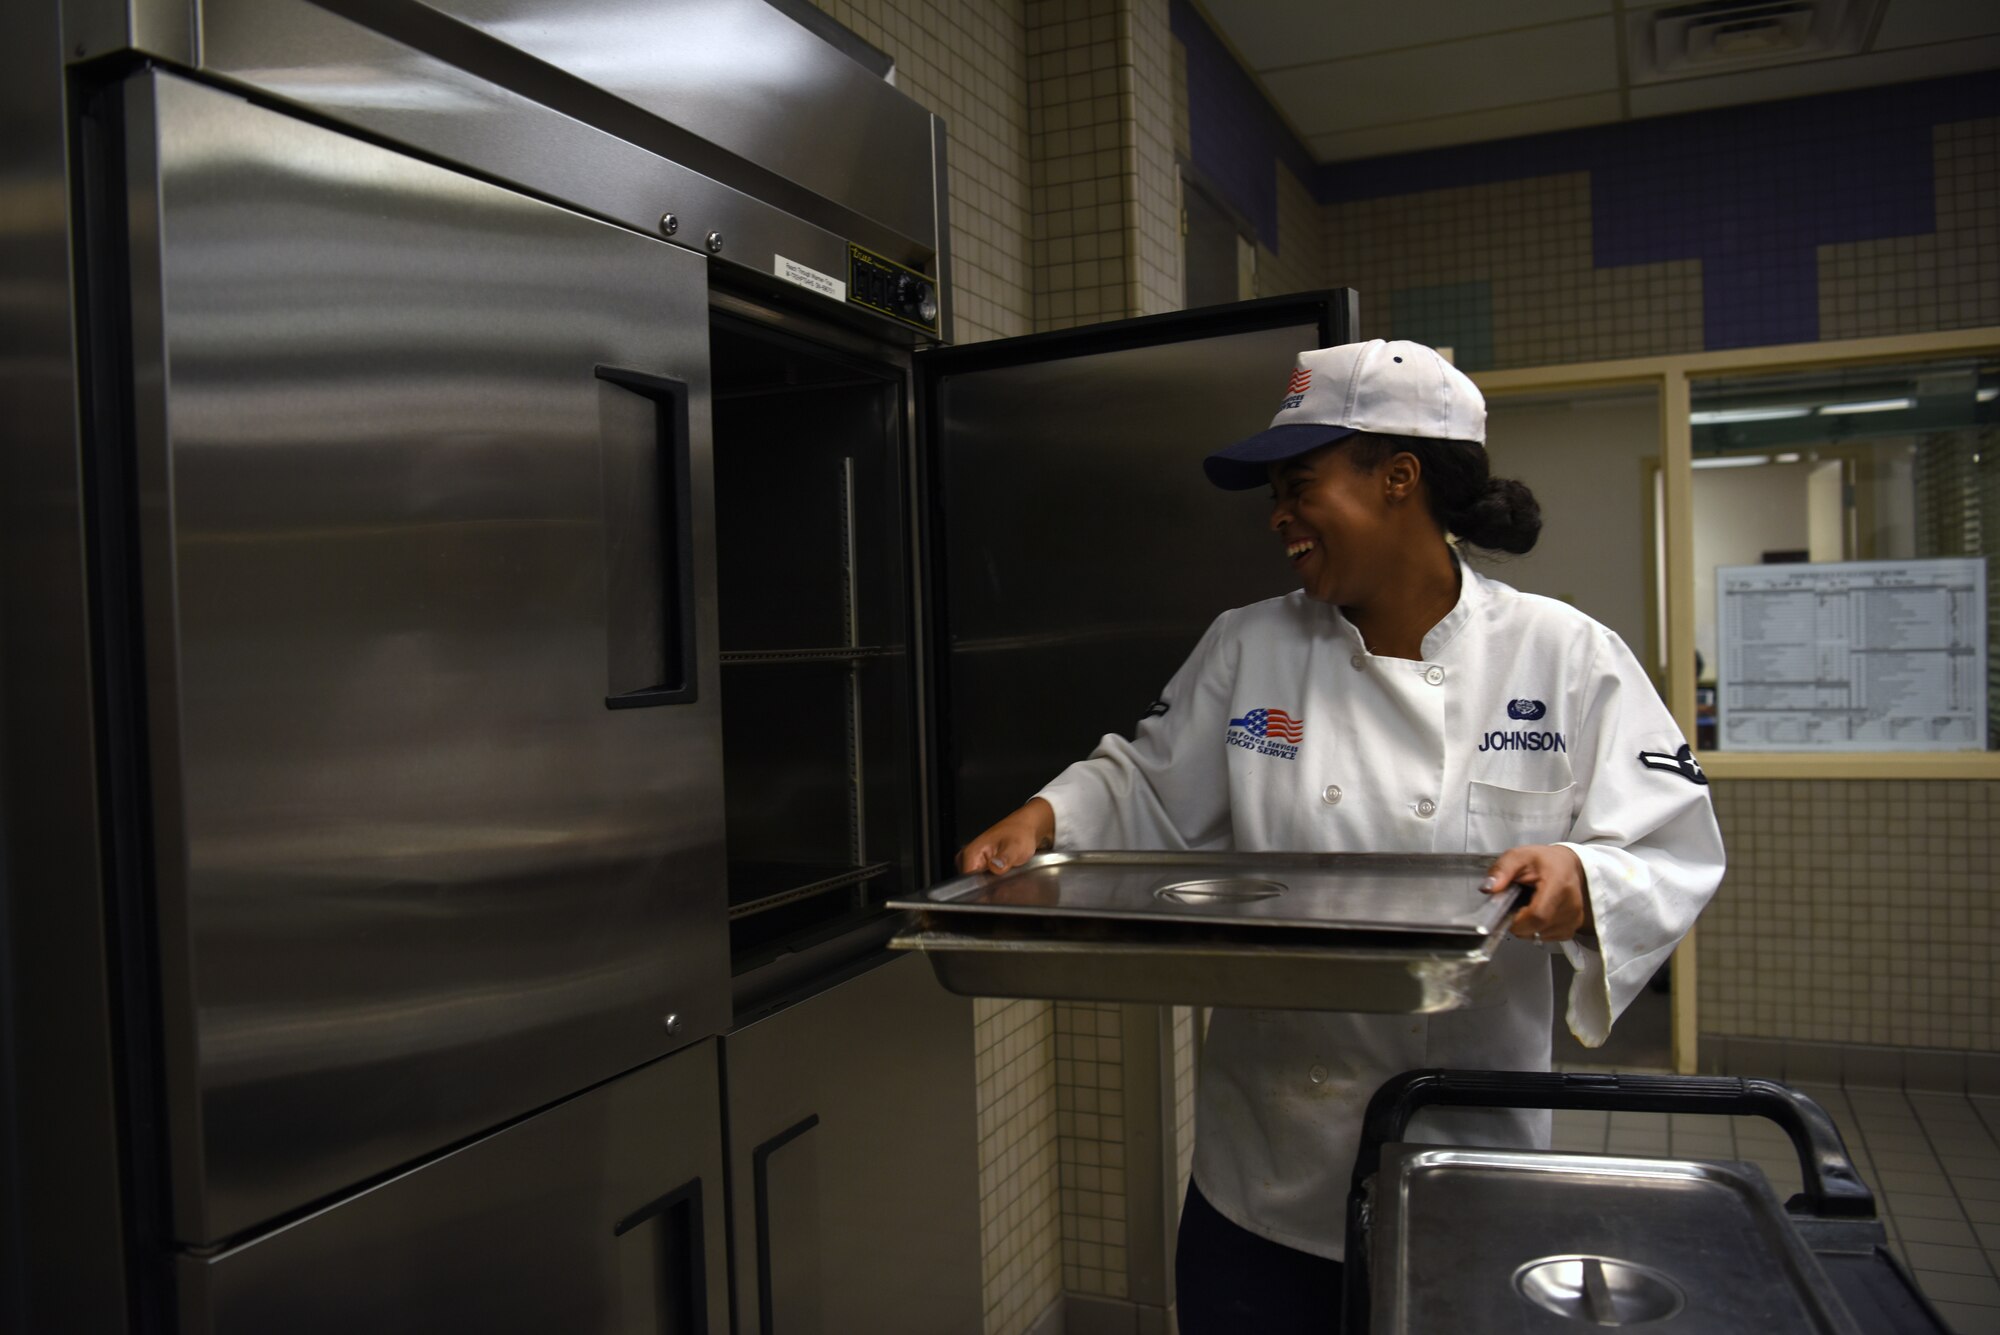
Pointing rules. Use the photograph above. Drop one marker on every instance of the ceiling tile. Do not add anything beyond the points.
(1915, 22)
(1820, 76)
(1274, 34)
(1451, 78)
(1567, 113)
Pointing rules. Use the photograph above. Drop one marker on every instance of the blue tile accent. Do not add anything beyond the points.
(1235, 138)
(1751, 192)
(1830, 116)
(1754, 298)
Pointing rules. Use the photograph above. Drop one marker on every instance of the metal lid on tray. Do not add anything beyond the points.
(1426, 894)
(1487, 1240)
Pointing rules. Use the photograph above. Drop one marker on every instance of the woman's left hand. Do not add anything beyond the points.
(1560, 908)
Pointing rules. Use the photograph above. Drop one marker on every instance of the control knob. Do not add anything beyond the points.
(914, 295)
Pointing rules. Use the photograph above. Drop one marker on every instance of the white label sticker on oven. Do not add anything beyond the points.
(823, 283)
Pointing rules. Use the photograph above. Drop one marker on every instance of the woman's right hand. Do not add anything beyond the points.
(1013, 841)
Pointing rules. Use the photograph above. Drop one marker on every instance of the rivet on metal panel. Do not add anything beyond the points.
(669, 224)
(673, 1023)
(714, 243)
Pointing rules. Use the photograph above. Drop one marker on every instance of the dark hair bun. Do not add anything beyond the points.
(1504, 516)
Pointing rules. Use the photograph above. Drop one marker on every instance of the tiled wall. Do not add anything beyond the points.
(1299, 261)
(1947, 279)
(1875, 211)
(967, 61)
(1156, 190)
(1234, 138)
(1105, 201)
(1502, 274)
(1019, 1177)
(1856, 912)
(1872, 212)
(1090, 1114)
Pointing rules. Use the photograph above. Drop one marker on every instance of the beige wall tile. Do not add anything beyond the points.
(1856, 911)
(1948, 280)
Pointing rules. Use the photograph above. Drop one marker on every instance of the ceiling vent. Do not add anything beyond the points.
(1687, 41)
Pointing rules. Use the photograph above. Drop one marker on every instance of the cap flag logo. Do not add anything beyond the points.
(1295, 389)
(1269, 732)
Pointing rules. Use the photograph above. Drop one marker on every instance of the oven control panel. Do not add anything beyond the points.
(895, 290)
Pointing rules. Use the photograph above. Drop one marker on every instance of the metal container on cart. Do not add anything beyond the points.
(1475, 1240)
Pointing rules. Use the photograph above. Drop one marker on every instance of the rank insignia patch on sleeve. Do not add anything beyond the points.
(1681, 762)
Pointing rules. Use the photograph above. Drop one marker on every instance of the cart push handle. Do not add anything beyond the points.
(1833, 1190)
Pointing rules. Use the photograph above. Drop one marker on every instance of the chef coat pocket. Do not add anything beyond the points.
(1497, 819)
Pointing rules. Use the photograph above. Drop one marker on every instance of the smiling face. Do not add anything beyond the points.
(1342, 525)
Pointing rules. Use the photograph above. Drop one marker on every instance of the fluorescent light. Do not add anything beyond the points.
(1719, 416)
(1790, 457)
(1987, 395)
(1866, 406)
(1732, 461)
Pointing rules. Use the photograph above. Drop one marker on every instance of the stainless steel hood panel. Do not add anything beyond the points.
(414, 878)
(742, 76)
(421, 77)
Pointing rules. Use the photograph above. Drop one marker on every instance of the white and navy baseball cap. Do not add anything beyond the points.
(1389, 388)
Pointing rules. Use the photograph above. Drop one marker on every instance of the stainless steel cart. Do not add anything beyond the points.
(1473, 1240)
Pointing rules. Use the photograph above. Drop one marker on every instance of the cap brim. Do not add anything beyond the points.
(1247, 463)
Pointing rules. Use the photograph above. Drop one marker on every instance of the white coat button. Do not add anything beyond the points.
(1427, 808)
(1330, 794)
(1435, 676)
(1360, 661)
(1317, 1075)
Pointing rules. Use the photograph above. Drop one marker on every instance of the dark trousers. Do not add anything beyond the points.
(1229, 1281)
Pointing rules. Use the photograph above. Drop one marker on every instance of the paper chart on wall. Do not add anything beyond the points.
(1852, 656)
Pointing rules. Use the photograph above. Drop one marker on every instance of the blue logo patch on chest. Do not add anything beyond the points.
(1268, 732)
(1524, 739)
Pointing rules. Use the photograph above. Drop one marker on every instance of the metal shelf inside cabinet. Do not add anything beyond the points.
(856, 654)
(760, 886)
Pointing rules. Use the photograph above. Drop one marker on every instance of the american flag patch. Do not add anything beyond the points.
(1272, 723)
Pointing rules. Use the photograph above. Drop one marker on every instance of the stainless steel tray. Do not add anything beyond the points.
(1472, 1241)
(1393, 933)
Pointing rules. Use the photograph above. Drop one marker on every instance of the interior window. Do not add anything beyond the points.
(1844, 538)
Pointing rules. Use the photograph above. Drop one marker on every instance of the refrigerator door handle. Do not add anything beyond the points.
(760, 1160)
(680, 1250)
(649, 511)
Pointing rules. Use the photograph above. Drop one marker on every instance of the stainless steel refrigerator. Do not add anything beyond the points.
(490, 632)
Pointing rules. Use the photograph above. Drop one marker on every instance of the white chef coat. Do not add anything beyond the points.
(1525, 722)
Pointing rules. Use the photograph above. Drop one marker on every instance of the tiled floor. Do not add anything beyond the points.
(1933, 1161)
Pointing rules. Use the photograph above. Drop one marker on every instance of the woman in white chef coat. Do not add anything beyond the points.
(1398, 702)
